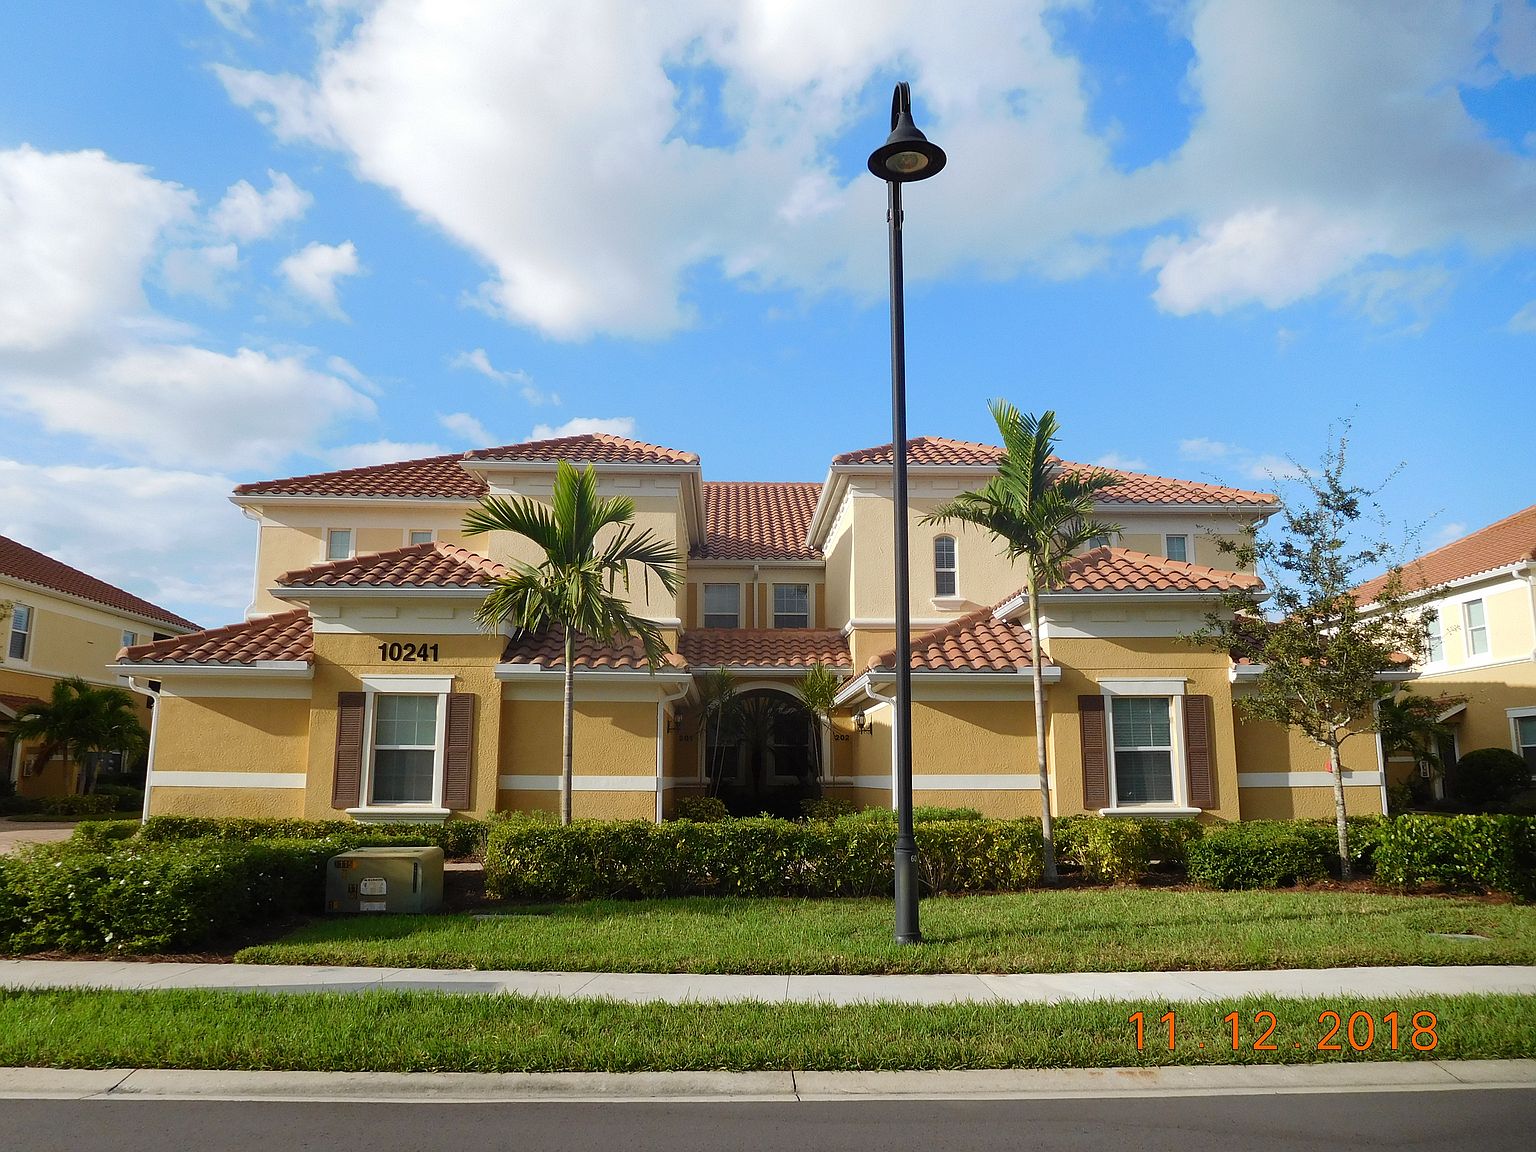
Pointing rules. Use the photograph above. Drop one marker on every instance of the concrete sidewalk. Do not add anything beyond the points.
(1018, 988)
(16, 833)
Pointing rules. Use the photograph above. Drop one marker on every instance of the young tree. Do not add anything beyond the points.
(573, 587)
(818, 692)
(1325, 655)
(1041, 514)
(79, 719)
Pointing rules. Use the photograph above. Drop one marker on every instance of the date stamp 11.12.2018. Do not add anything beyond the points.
(1334, 1031)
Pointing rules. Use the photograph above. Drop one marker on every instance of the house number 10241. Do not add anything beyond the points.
(398, 653)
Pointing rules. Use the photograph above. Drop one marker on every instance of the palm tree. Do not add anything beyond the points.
(717, 710)
(1041, 514)
(818, 692)
(573, 587)
(79, 719)
(1411, 723)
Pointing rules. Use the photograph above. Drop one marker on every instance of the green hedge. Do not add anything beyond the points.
(760, 856)
(1483, 853)
(457, 838)
(154, 897)
(1262, 854)
(1122, 850)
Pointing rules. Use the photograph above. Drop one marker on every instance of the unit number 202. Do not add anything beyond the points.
(398, 653)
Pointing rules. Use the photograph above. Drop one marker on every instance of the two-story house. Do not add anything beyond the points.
(57, 622)
(361, 683)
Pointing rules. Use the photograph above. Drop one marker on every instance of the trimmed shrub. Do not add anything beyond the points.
(1262, 854)
(103, 831)
(1122, 850)
(457, 838)
(1490, 776)
(95, 804)
(921, 814)
(1481, 853)
(702, 809)
(758, 856)
(827, 808)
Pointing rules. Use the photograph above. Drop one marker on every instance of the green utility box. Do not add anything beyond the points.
(385, 880)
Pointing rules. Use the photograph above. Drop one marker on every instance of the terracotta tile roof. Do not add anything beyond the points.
(22, 563)
(758, 521)
(590, 448)
(1510, 541)
(979, 642)
(1134, 488)
(13, 703)
(430, 478)
(435, 565)
(286, 636)
(764, 647)
(1122, 570)
(548, 649)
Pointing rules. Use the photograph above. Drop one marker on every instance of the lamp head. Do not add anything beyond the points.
(907, 154)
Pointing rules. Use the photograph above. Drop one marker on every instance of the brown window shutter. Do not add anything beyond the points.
(1197, 751)
(347, 782)
(1090, 714)
(458, 751)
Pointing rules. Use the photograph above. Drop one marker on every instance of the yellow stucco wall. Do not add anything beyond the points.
(1508, 611)
(256, 803)
(1307, 803)
(609, 738)
(224, 734)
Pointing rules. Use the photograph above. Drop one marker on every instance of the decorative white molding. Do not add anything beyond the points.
(941, 781)
(578, 783)
(163, 779)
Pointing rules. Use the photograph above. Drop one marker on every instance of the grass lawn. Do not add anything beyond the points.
(1091, 930)
(424, 1031)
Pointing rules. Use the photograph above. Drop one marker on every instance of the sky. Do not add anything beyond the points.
(243, 239)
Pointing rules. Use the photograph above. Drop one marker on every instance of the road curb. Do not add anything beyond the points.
(640, 1087)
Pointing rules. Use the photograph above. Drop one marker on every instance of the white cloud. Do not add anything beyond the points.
(1444, 534)
(478, 361)
(79, 228)
(467, 428)
(199, 271)
(313, 270)
(1200, 448)
(582, 425)
(230, 13)
(378, 452)
(1271, 468)
(1114, 461)
(246, 214)
(1524, 320)
(165, 535)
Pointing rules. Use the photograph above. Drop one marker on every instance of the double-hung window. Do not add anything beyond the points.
(419, 536)
(130, 639)
(1143, 749)
(338, 544)
(1475, 619)
(722, 605)
(791, 605)
(1434, 651)
(405, 749)
(1176, 547)
(21, 632)
(945, 566)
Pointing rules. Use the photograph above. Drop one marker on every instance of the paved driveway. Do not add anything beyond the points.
(15, 833)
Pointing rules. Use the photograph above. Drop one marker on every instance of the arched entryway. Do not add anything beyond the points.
(761, 754)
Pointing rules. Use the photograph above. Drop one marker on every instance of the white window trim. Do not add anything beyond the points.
(409, 532)
(1467, 630)
(376, 686)
(955, 570)
(25, 659)
(704, 612)
(351, 544)
(1184, 536)
(1178, 766)
(810, 602)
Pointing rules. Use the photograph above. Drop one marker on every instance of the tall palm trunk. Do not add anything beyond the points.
(567, 727)
(1341, 824)
(1037, 677)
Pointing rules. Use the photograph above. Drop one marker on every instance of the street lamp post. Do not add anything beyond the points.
(906, 155)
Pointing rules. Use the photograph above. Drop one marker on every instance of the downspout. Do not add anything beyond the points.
(1381, 757)
(154, 730)
(661, 733)
(891, 700)
(1530, 580)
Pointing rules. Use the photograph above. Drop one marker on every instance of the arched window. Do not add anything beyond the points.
(945, 567)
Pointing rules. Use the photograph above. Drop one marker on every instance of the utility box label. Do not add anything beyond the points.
(371, 906)
(373, 886)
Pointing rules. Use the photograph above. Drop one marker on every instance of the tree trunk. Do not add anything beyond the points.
(567, 728)
(1338, 810)
(1047, 828)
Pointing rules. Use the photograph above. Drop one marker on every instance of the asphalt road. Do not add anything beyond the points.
(1477, 1121)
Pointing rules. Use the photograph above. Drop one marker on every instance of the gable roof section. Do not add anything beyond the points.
(764, 648)
(429, 478)
(12, 703)
(1124, 570)
(758, 521)
(1510, 541)
(434, 565)
(978, 642)
(547, 649)
(928, 450)
(588, 448)
(286, 636)
(32, 567)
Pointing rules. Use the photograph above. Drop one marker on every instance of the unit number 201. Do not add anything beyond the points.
(397, 653)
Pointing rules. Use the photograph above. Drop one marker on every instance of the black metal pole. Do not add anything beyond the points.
(907, 930)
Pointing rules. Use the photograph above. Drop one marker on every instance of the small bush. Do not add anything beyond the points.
(1123, 850)
(126, 799)
(927, 813)
(457, 838)
(1262, 854)
(826, 808)
(103, 831)
(1490, 776)
(702, 809)
(1480, 853)
(95, 804)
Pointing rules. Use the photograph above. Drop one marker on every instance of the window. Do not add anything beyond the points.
(1435, 651)
(791, 605)
(21, 632)
(1477, 627)
(338, 544)
(1098, 542)
(945, 570)
(130, 639)
(419, 536)
(722, 605)
(1525, 734)
(1176, 547)
(1143, 750)
(404, 749)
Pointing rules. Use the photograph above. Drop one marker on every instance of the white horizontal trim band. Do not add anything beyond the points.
(578, 783)
(1304, 779)
(942, 781)
(228, 780)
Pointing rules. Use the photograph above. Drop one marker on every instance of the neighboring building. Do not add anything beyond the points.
(60, 622)
(361, 683)
(1482, 643)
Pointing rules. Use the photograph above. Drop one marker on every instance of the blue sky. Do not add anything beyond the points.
(249, 239)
